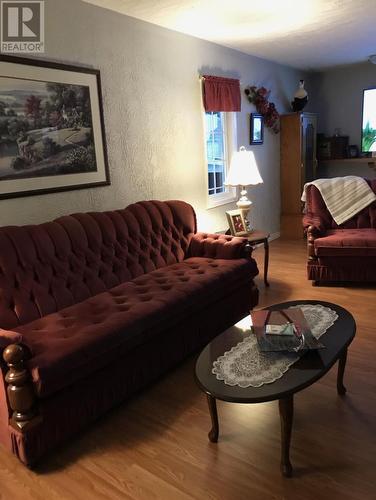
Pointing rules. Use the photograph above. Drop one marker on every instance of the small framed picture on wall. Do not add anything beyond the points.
(236, 222)
(257, 129)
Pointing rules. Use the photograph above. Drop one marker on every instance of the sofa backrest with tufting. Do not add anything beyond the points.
(45, 268)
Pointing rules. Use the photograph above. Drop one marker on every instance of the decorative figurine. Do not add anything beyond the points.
(300, 98)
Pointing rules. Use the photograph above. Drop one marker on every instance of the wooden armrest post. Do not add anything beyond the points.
(21, 396)
(311, 243)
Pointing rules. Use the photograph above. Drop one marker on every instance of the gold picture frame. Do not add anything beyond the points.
(236, 222)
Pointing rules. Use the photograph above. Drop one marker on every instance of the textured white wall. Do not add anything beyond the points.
(339, 101)
(153, 114)
(339, 98)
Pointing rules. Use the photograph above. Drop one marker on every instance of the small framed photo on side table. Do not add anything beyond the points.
(236, 222)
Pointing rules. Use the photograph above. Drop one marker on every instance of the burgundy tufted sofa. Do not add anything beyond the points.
(340, 253)
(95, 306)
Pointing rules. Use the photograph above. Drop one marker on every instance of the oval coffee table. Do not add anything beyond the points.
(307, 370)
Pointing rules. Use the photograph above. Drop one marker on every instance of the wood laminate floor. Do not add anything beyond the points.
(155, 446)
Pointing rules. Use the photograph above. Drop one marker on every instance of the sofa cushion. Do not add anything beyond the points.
(347, 243)
(78, 340)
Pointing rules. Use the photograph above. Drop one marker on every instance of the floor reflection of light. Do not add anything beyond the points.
(254, 409)
(252, 417)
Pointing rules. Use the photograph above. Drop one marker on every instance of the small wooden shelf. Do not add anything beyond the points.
(371, 161)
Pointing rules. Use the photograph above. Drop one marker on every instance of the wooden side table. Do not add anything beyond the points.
(254, 239)
(257, 237)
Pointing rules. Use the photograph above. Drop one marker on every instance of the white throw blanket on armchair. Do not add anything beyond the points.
(344, 196)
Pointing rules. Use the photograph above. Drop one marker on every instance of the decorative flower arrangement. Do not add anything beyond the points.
(259, 97)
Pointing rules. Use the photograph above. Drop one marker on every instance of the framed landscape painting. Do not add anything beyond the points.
(51, 128)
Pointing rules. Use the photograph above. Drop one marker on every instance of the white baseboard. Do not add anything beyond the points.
(274, 236)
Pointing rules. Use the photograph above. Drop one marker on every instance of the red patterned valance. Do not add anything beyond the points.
(221, 94)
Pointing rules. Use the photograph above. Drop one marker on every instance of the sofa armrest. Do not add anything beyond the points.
(219, 246)
(315, 212)
(312, 233)
(8, 337)
(314, 226)
(22, 399)
(315, 222)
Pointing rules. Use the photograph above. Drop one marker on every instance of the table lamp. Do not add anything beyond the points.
(243, 172)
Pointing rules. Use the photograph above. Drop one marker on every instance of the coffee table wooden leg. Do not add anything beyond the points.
(286, 413)
(341, 389)
(266, 261)
(213, 434)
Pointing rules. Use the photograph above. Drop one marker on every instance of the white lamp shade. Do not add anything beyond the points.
(243, 169)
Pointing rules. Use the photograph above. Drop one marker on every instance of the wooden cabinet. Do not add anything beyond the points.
(298, 166)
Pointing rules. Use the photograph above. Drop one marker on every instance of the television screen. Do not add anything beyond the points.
(369, 121)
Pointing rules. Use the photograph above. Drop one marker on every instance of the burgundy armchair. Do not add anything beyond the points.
(339, 253)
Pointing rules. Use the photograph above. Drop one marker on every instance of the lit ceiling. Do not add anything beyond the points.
(307, 34)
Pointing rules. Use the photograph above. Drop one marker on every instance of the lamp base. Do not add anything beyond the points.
(248, 225)
(244, 204)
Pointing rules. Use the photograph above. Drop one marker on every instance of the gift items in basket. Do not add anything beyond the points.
(284, 330)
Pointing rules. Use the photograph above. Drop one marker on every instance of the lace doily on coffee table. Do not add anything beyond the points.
(244, 365)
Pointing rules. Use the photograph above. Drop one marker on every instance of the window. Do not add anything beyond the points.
(219, 134)
(216, 151)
